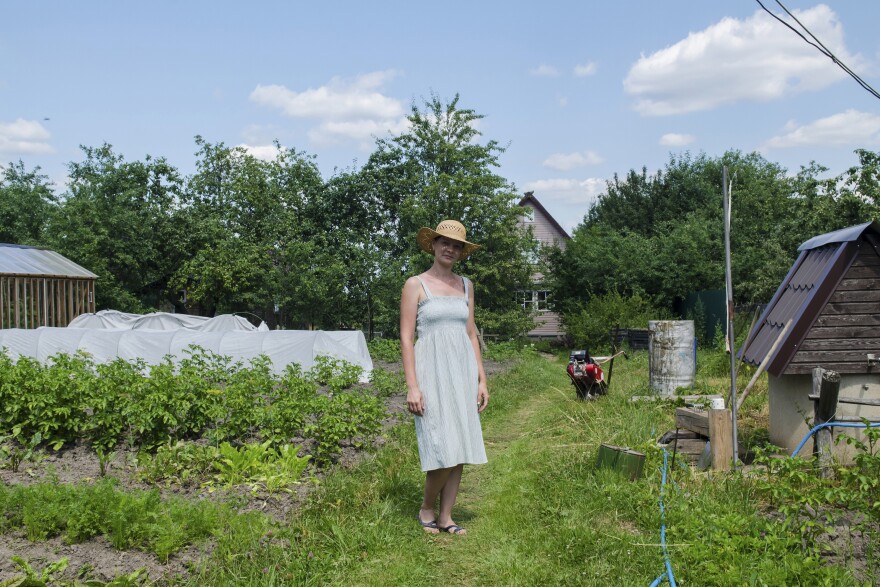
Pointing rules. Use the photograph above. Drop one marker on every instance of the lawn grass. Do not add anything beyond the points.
(539, 513)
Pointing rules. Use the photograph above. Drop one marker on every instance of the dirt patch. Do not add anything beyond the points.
(95, 559)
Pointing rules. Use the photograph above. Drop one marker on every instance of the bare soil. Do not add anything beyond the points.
(98, 559)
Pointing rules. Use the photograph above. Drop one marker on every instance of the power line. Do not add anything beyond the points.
(819, 46)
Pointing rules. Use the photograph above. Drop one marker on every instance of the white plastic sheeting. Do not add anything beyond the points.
(113, 320)
(104, 345)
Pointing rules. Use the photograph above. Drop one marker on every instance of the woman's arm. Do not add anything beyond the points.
(482, 387)
(409, 307)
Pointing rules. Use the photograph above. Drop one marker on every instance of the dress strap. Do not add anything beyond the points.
(465, 281)
(424, 287)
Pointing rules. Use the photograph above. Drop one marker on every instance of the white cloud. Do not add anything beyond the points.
(849, 128)
(733, 60)
(674, 139)
(566, 161)
(334, 131)
(261, 152)
(580, 193)
(24, 137)
(544, 70)
(345, 109)
(585, 69)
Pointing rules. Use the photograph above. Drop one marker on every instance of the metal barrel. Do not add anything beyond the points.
(671, 358)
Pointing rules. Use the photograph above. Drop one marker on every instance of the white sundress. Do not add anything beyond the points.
(449, 433)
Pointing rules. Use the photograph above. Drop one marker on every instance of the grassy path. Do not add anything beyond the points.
(539, 513)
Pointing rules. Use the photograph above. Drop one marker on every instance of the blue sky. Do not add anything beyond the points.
(577, 91)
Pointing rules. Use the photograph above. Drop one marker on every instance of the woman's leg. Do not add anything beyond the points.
(448, 495)
(434, 482)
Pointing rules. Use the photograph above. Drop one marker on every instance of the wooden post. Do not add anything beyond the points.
(826, 384)
(721, 439)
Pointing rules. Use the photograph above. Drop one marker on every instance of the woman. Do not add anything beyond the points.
(444, 371)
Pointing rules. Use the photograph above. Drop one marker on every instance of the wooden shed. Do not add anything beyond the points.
(547, 231)
(39, 287)
(830, 303)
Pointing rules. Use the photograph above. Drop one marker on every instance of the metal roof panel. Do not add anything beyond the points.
(23, 260)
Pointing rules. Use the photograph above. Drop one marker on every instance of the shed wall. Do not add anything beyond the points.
(847, 327)
(31, 302)
(791, 408)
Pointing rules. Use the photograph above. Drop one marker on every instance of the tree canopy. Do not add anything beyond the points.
(274, 238)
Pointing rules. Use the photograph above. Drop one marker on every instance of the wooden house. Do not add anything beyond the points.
(548, 232)
(39, 287)
(826, 313)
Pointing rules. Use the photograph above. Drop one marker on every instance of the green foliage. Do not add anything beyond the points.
(15, 453)
(591, 324)
(385, 349)
(75, 400)
(343, 418)
(26, 200)
(660, 236)
(508, 323)
(184, 464)
(129, 519)
(336, 374)
(387, 383)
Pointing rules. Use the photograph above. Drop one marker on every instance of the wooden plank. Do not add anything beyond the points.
(849, 331)
(864, 260)
(863, 284)
(70, 315)
(863, 272)
(860, 401)
(838, 344)
(821, 357)
(855, 296)
(693, 420)
(2, 302)
(839, 366)
(826, 384)
(721, 438)
(851, 308)
(851, 320)
(17, 304)
(690, 446)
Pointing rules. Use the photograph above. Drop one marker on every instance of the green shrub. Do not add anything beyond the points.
(511, 324)
(590, 325)
(385, 349)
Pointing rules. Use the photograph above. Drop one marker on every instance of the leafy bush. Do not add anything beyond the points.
(385, 349)
(589, 325)
(335, 373)
(386, 383)
(511, 324)
(72, 399)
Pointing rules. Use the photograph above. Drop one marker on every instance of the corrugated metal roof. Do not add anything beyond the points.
(849, 234)
(803, 294)
(22, 260)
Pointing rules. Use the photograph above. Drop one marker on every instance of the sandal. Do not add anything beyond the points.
(429, 527)
(453, 529)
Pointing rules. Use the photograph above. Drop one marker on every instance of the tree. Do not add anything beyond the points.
(439, 169)
(26, 202)
(122, 220)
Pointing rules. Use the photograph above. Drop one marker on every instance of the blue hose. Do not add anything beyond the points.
(826, 425)
(668, 573)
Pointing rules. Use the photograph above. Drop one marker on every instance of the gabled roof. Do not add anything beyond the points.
(21, 260)
(822, 263)
(529, 199)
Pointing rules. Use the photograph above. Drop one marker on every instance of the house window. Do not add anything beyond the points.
(534, 300)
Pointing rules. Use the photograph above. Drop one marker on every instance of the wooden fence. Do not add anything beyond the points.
(30, 302)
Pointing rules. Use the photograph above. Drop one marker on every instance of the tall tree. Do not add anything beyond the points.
(439, 169)
(122, 221)
(26, 202)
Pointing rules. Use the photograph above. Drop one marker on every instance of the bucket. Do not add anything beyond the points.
(671, 358)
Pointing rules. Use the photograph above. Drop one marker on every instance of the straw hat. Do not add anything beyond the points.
(451, 229)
